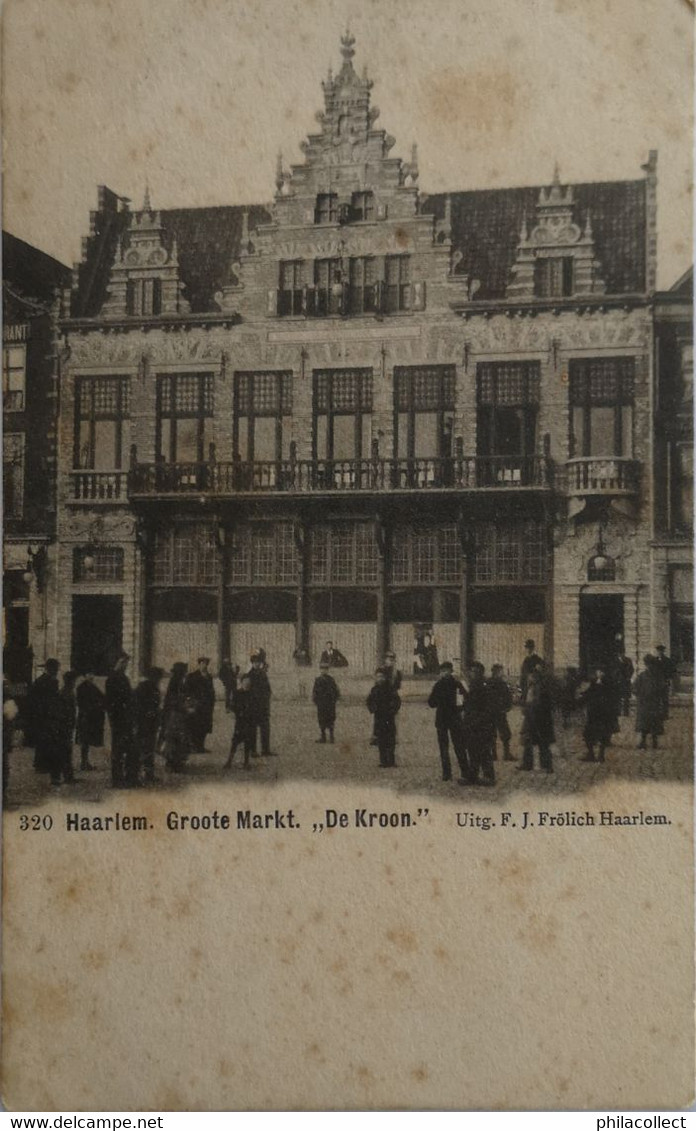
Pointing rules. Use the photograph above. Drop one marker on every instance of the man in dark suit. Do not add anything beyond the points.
(448, 721)
(119, 707)
(260, 700)
(529, 663)
(37, 726)
(479, 727)
(199, 687)
(91, 712)
(333, 657)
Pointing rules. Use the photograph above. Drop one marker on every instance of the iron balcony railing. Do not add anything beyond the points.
(300, 476)
(99, 486)
(603, 475)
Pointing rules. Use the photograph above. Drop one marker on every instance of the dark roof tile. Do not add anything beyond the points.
(486, 226)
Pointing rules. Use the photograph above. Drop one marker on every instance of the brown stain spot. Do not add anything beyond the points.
(68, 82)
(402, 237)
(541, 932)
(420, 1074)
(287, 947)
(338, 966)
(437, 890)
(94, 959)
(345, 988)
(487, 95)
(401, 977)
(441, 954)
(403, 939)
(364, 1074)
(225, 1067)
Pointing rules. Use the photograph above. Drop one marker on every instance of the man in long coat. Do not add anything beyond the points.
(260, 695)
(40, 717)
(537, 724)
(649, 703)
(199, 687)
(600, 702)
(146, 709)
(119, 707)
(91, 713)
(448, 720)
(479, 727)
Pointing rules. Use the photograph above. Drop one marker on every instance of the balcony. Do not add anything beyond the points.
(331, 477)
(99, 486)
(603, 475)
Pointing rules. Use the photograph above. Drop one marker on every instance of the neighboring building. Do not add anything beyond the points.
(363, 414)
(32, 283)
(673, 562)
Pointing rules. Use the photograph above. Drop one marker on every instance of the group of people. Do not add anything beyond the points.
(60, 715)
(470, 713)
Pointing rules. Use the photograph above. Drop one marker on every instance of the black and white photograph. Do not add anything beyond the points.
(348, 551)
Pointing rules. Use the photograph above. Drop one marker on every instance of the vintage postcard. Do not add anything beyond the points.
(348, 572)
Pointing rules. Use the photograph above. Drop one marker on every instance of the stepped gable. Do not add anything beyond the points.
(486, 226)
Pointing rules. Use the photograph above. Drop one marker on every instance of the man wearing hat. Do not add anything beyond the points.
(529, 664)
(146, 702)
(665, 670)
(384, 703)
(41, 695)
(119, 708)
(199, 687)
(394, 678)
(325, 695)
(448, 720)
(260, 699)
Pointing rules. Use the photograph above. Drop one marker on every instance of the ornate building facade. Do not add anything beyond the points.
(32, 286)
(360, 413)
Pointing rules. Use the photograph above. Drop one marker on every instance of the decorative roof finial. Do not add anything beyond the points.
(556, 174)
(414, 160)
(587, 234)
(147, 207)
(347, 48)
(279, 178)
(523, 229)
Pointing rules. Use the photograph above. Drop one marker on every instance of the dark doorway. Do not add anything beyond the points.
(97, 633)
(601, 621)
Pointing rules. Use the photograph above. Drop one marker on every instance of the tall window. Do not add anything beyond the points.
(262, 415)
(328, 282)
(682, 487)
(553, 276)
(426, 555)
(184, 417)
(510, 553)
(292, 281)
(326, 209)
(14, 370)
(362, 206)
(343, 553)
(13, 474)
(342, 414)
(102, 427)
(363, 284)
(397, 274)
(508, 399)
(186, 555)
(601, 399)
(144, 296)
(263, 553)
(424, 410)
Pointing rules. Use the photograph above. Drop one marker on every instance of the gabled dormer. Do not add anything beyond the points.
(556, 256)
(144, 281)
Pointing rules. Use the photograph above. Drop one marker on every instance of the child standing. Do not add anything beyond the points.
(383, 702)
(244, 723)
(325, 695)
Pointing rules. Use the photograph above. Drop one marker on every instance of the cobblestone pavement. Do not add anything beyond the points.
(352, 759)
